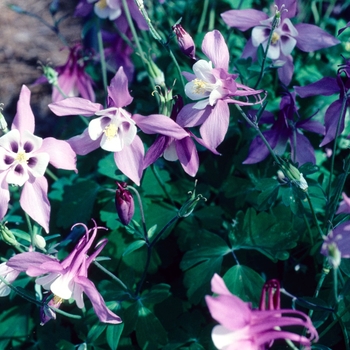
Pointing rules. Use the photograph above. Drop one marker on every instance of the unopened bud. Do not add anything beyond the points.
(39, 241)
(124, 203)
(51, 75)
(188, 207)
(7, 236)
(46, 313)
(294, 176)
(185, 41)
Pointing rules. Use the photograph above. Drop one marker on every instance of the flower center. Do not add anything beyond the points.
(102, 4)
(200, 86)
(22, 157)
(110, 131)
(275, 38)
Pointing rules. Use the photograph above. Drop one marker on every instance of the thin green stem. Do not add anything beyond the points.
(142, 213)
(203, 16)
(30, 228)
(102, 59)
(51, 174)
(313, 213)
(161, 184)
(309, 230)
(160, 233)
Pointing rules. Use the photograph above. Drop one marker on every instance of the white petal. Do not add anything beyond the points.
(38, 163)
(201, 104)
(11, 141)
(30, 142)
(47, 280)
(6, 159)
(127, 132)
(114, 144)
(170, 153)
(235, 340)
(193, 91)
(63, 286)
(260, 34)
(274, 51)
(214, 96)
(97, 126)
(203, 71)
(17, 175)
(288, 28)
(287, 44)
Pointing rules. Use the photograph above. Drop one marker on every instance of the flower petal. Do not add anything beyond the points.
(118, 92)
(189, 116)
(215, 48)
(75, 106)
(82, 144)
(4, 195)
(331, 121)
(243, 19)
(188, 156)
(326, 86)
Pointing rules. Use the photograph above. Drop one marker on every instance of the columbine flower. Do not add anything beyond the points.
(242, 327)
(68, 278)
(214, 89)
(336, 244)
(9, 275)
(286, 129)
(115, 129)
(328, 86)
(171, 149)
(24, 158)
(185, 41)
(46, 313)
(286, 36)
(124, 203)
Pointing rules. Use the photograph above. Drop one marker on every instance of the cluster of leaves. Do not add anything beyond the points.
(251, 228)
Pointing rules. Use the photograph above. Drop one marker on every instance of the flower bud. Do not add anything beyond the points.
(46, 313)
(185, 41)
(294, 176)
(124, 203)
(7, 236)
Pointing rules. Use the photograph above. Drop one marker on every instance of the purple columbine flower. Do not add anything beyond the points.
(242, 327)
(286, 129)
(336, 245)
(214, 89)
(115, 129)
(344, 206)
(286, 36)
(124, 203)
(24, 158)
(68, 279)
(328, 86)
(185, 41)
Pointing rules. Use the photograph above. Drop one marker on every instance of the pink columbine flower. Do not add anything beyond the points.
(306, 37)
(214, 89)
(115, 129)
(24, 158)
(9, 275)
(242, 327)
(185, 41)
(68, 278)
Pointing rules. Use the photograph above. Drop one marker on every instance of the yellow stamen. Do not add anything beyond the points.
(275, 38)
(102, 4)
(56, 299)
(22, 157)
(110, 131)
(199, 86)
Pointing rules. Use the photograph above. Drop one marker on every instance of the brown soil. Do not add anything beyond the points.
(25, 41)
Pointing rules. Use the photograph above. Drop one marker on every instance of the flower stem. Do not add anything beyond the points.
(110, 274)
(313, 213)
(203, 16)
(102, 59)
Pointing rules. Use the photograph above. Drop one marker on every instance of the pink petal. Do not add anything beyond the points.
(23, 261)
(75, 106)
(103, 313)
(214, 129)
(243, 19)
(4, 195)
(189, 116)
(118, 91)
(130, 160)
(61, 153)
(34, 201)
(82, 144)
(24, 118)
(215, 48)
(159, 124)
(188, 156)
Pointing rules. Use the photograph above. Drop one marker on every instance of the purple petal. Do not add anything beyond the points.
(103, 313)
(215, 48)
(23, 261)
(304, 151)
(285, 73)
(24, 118)
(159, 124)
(311, 125)
(249, 50)
(326, 86)
(331, 120)
(130, 160)
(188, 156)
(214, 129)
(34, 201)
(189, 116)
(312, 38)
(136, 15)
(243, 19)
(82, 144)
(156, 150)
(4, 194)
(75, 106)
(61, 153)
(118, 91)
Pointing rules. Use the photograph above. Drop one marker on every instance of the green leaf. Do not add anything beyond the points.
(149, 331)
(134, 246)
(107, 167)
(269, 188)
(95, 331)
(78, 202)
(156, 294)
(245, 283)
(113, 333)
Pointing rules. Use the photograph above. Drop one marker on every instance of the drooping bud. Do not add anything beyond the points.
(294, 176)
(185, 41)
(124, 203)
(46, 313)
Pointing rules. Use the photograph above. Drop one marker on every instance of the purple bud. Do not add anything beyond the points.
(185, 41)
(124, 203)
